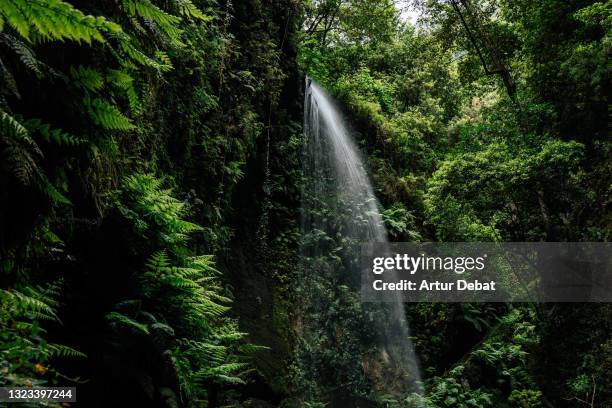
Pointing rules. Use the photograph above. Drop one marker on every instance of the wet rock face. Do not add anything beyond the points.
(168, 398)
(162, 335)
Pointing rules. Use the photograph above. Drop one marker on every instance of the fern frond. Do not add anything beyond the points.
(15, 18)
(20, 151)
(8, 80)
(167, 23)
(222, 373)
(53, 290)
(189, 10)
(47, 296)
(213, 354)
(137, 56)
(87, 78)
(10, 127)
(204, 263)
(21, 162)
(60, 350)
(46, 187)
(125, 82)
(163, 58)
(51, 135)
(158, 262)
(206, 307)
(25, 54)
(186, 273)
(219, 297)
(230, 337)
(24, 326)
(250, 349)
(127, 322)
(54, 20)
(107, 116)
(178, 282)
(22, 304)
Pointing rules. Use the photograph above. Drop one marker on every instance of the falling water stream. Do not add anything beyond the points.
(340, 211)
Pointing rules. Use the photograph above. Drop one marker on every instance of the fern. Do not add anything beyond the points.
(194, 306)
(25, 54)
(8, 80)
(23, 350)
(163, 58)
(156, 18)
(20, 151)
(161, 278)
(125, 82)
(106, 115)
(251, 349)
(225, 373)
(50, 135)
(119, 319)
(214, 354)
(189, 10)
(60, 350)
(49, 20)
(184, 291)
(45, 186)
(23, 23)
(21, 304)
(155, 214)
(128, 50)
(87, 78)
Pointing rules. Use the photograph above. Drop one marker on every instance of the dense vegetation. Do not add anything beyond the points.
(150, 192)
(487, 122)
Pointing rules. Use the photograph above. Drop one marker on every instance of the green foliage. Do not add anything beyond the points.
(51, 135)
(155, 215)
(526, 398)
(106, 115)
(193, 284)
(182, 294)
(201, 94)
(455, 391)
(19, 149)
(453, 158)
(463, 195)
(25, 356)
(23, 154)
(49, 20)
(26, 57)
(505, 351)
(90, 92)
(96, 94)
(167, 24)
(400, 223)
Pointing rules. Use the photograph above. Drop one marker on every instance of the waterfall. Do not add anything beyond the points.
(340, 211)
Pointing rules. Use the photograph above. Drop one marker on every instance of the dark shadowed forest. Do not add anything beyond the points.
(152, 196)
